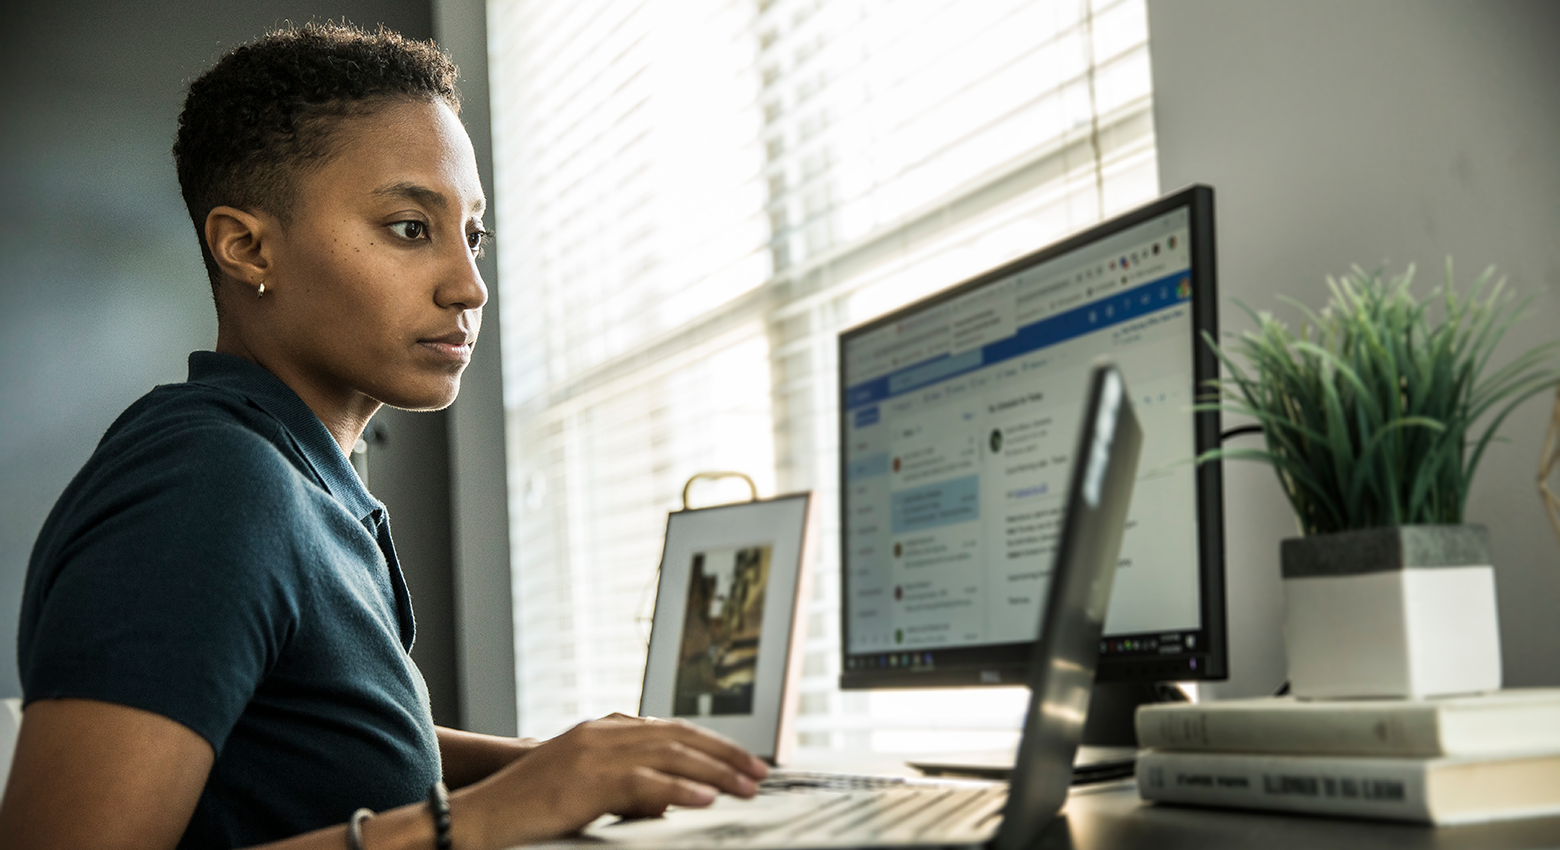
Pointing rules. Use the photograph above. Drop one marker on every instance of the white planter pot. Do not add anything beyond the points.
(1403, 612)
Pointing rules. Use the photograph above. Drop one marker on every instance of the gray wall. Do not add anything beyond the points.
(1339, 132)
(408, 468)
(483, 600)
(102, 293)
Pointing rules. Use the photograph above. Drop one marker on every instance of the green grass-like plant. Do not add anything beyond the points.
(1367, 413)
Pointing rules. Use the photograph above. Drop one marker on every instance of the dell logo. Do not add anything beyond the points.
(990, 677)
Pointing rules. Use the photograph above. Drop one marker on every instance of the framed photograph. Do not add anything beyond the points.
(726, 613)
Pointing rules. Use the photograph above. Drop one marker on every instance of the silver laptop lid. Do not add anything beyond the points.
(1061, 675)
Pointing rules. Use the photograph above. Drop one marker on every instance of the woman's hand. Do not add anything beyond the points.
(632, 766)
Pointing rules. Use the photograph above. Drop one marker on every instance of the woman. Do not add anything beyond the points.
(215, 631)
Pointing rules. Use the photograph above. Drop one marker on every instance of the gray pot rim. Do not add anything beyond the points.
(1385, 549)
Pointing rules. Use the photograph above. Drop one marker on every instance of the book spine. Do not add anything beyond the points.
(1412, 733)
(1372, 788)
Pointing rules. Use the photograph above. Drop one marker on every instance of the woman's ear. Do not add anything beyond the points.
(240, 242)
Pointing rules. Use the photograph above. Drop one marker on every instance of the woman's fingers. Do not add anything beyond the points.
(638, 767)
(733, 769)
(710, 758)
(675, 758)
(653, 791)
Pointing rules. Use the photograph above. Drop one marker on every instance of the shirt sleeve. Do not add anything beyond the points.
(167, 584)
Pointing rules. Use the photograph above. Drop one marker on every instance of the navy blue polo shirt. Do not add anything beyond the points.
(218, 562)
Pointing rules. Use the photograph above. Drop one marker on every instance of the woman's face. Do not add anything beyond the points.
(377, 297)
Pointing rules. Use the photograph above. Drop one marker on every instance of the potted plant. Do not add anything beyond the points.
(1370, 418)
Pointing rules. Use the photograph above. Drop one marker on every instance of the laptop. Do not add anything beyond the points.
(963, 814)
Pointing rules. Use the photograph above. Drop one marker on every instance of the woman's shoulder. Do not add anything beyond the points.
(191, 484)
(193, 456)
(199, 430)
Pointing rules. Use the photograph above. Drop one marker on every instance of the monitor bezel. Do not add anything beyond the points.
(1008, 664)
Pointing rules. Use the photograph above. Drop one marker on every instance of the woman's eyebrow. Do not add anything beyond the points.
(425, 196)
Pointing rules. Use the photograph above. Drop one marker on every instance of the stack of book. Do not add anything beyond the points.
(1440, 761)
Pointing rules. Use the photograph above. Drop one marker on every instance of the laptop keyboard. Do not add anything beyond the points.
(909, 814)
(783, 781)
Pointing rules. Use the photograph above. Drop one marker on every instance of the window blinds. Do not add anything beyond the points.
(694, 198)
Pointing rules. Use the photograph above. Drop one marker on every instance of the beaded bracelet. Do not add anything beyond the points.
(355, 828)
(439, 803)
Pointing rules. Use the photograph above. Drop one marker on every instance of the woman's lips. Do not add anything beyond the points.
(455, 347)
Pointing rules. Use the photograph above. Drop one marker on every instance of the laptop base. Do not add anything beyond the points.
(1092, 764)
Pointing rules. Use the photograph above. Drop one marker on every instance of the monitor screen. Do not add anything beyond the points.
(959, 415)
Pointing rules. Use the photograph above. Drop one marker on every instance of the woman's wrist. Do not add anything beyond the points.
(470, 757)
(411, 827)
(469, 827)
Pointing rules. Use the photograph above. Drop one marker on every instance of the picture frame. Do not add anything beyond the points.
(728, 610)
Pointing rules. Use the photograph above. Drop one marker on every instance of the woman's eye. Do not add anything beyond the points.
(477, 238)
(410, 229)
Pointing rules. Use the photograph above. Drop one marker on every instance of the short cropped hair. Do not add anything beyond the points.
(267, 112)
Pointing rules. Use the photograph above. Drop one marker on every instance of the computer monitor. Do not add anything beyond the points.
(958, 417)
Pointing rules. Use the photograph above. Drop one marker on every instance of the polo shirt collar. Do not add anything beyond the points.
(309, 434)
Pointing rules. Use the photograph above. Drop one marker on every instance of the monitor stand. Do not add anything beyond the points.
(1113, 708)
(1109, 748)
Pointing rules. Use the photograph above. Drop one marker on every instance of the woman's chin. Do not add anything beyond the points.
(425, 398)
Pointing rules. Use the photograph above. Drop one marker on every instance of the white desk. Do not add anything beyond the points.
(1111, 815)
